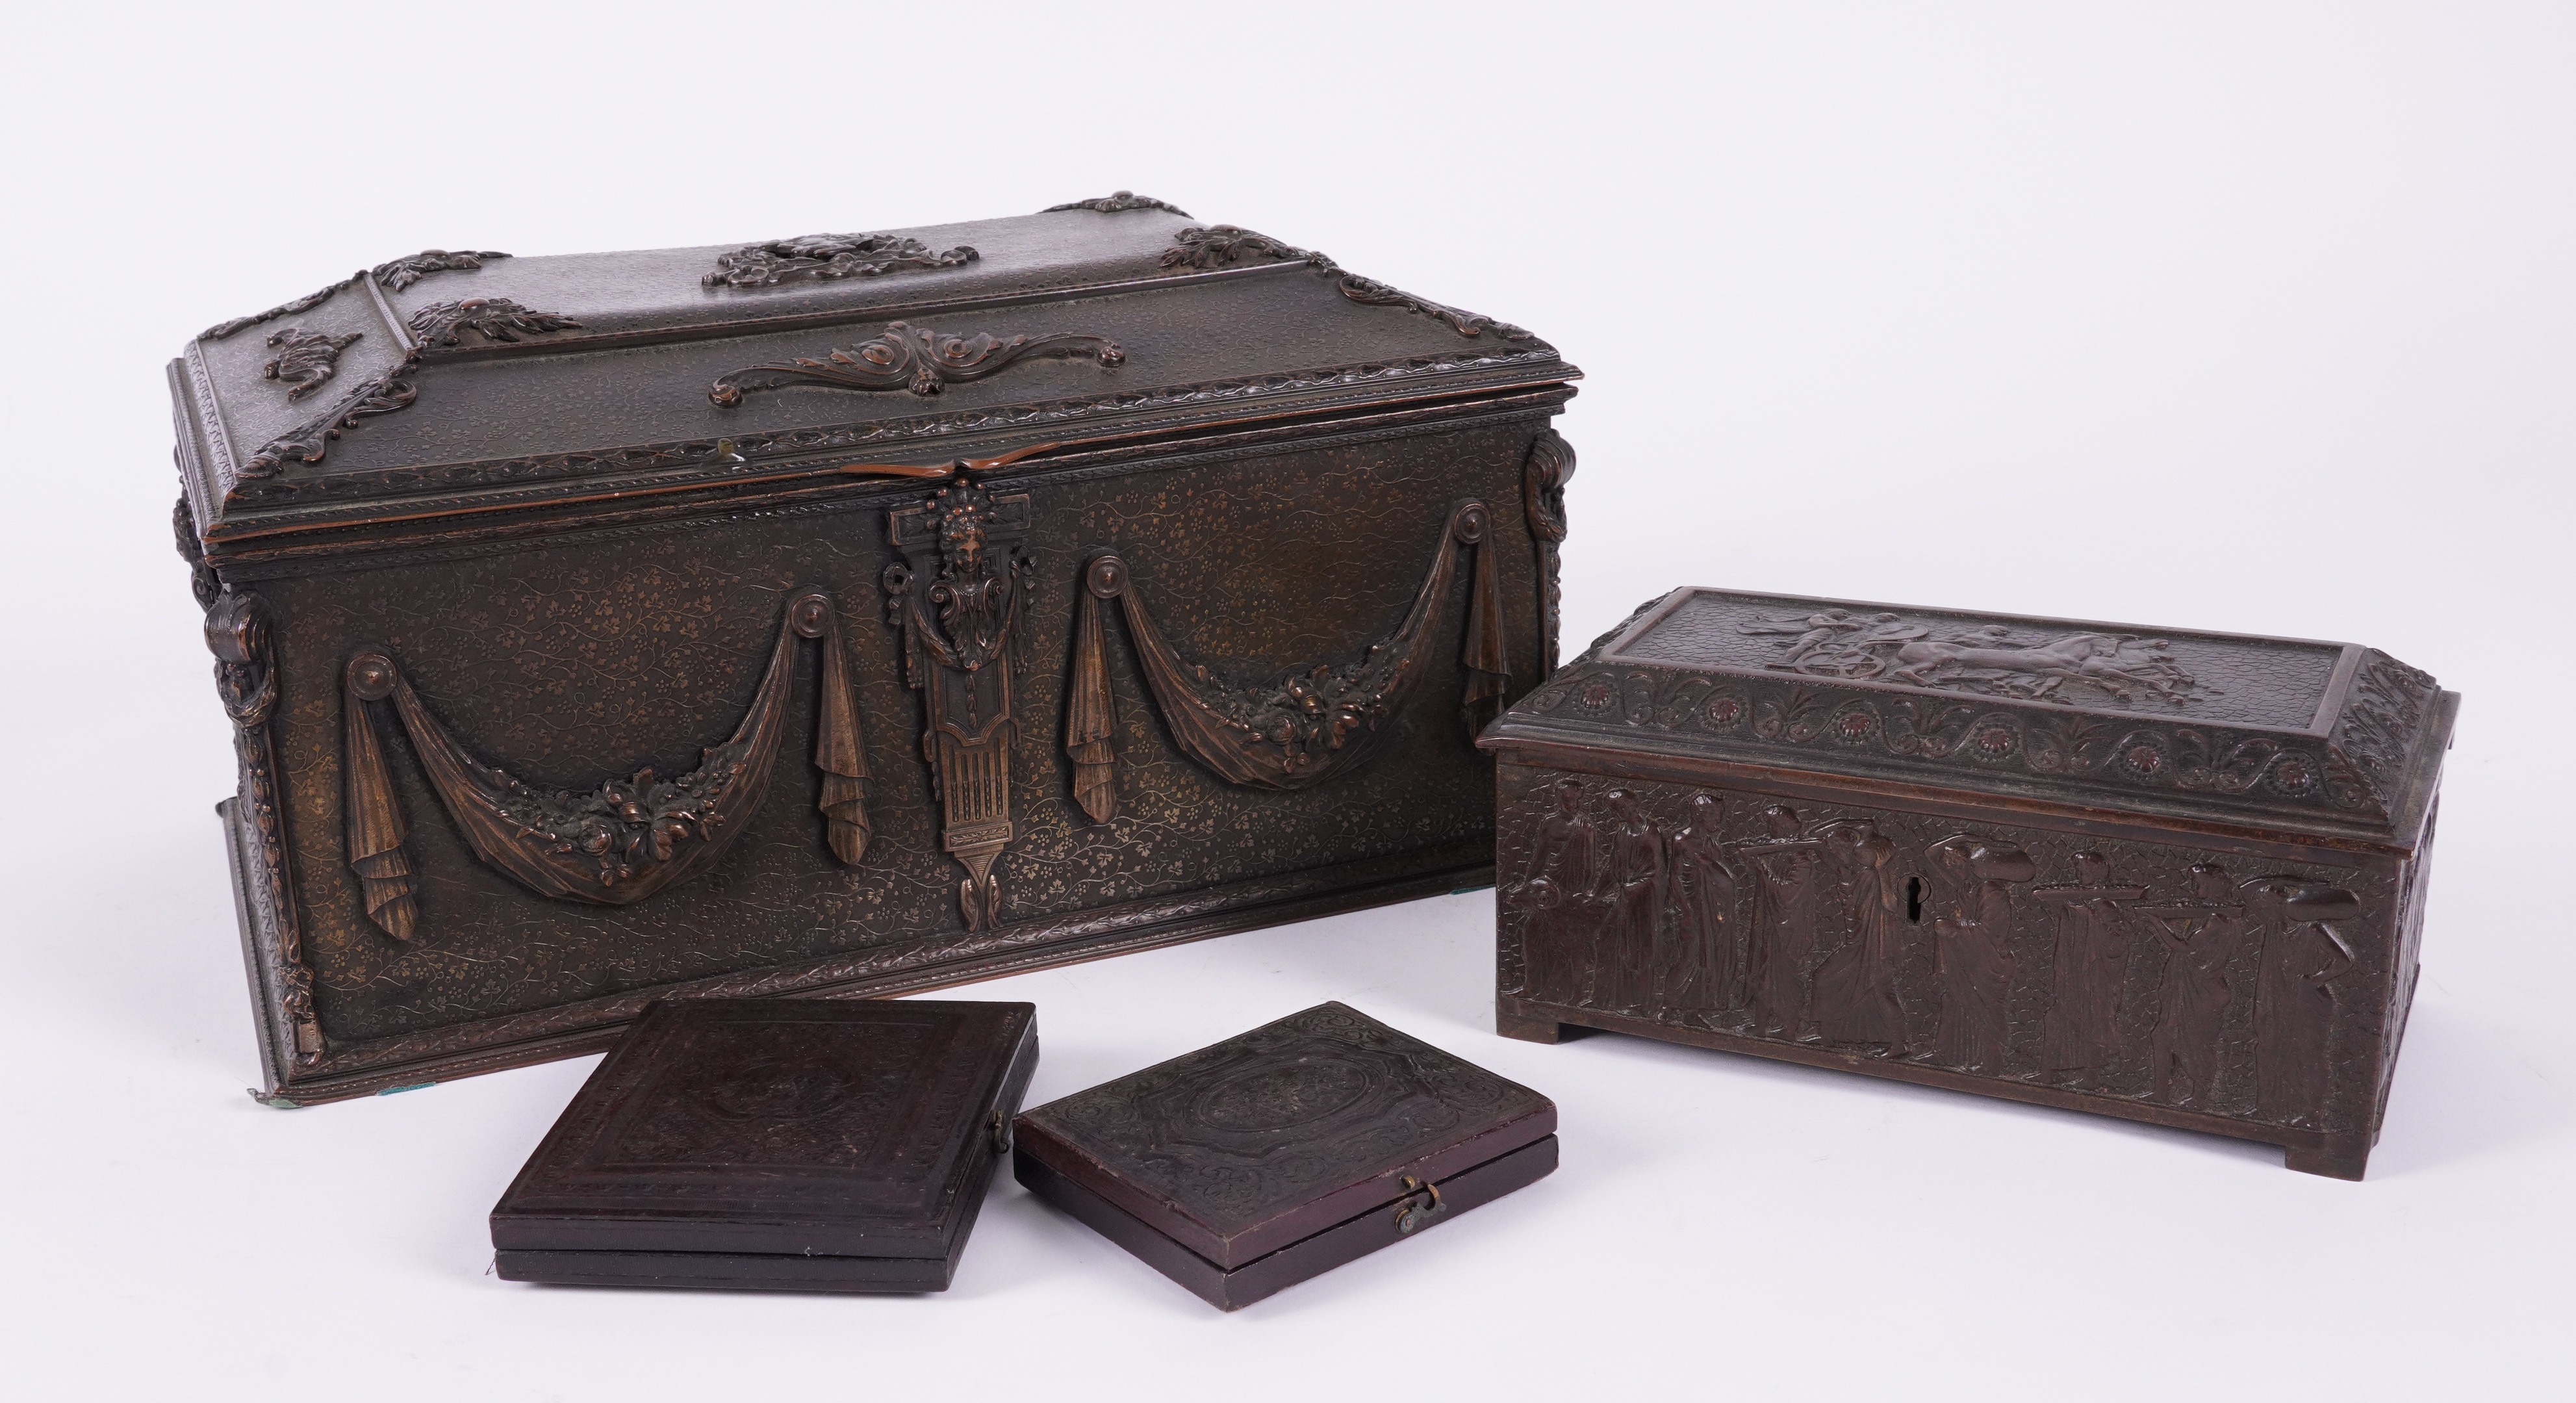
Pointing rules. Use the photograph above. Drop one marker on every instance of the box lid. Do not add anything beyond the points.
(1239, 1149)
(471, 381)
(859, 1129)
(2331, 740)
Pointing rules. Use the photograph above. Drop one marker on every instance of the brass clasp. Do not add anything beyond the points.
(1420, 1204)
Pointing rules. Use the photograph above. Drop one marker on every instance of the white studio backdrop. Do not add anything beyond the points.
(2248, 317)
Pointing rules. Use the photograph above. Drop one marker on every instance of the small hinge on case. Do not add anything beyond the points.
(1420, 1204)
(1000, 1125)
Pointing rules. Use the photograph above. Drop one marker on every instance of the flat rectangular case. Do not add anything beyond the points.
(1260, 1161)
(843, 615)
(2168, 875)
(760, 1144)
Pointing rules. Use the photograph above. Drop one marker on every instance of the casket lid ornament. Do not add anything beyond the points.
(395, 275)
(2330, 738)
(1117, 202)
(466, 382)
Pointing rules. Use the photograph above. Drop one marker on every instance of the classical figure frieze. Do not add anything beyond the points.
(1989, 660)
(2115, 968)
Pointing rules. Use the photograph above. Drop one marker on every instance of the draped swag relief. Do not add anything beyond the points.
(1314, 723)
(630, 837)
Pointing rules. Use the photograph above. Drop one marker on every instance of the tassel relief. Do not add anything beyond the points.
(1091, 711)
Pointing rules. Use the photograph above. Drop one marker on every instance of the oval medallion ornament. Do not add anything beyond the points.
(1277, 1098)
(782, 1089)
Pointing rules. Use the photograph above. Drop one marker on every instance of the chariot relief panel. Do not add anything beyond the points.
(2267, 726)
(2212, 678)
(2218, 983)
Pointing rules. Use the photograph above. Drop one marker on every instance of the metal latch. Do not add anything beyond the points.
(1420, 1204)
(1000, 1126)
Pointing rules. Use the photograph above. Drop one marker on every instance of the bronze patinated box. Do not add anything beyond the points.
(1251, 1165)
(843, 615)
(760, 1144)
(2167, 875)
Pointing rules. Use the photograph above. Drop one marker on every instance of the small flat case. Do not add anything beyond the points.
(779, 1145)
(1249, 1166)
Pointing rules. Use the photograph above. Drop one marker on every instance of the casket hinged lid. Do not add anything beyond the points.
(460, 384)
(2329, 742)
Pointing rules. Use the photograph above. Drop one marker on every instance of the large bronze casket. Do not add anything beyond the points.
(847, 614)
(2177, 877)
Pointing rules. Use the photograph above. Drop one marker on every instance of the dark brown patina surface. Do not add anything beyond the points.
(2172, 876)
(1143, 599)
(728, 1131)
(1260, 1161)
(1243, 1147)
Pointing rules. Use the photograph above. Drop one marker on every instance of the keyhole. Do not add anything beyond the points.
(1914, 900)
